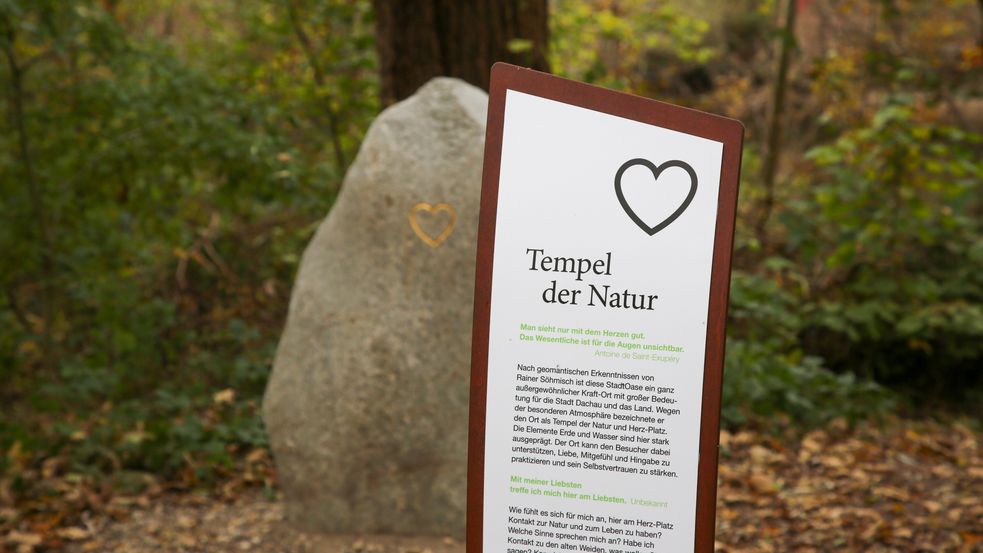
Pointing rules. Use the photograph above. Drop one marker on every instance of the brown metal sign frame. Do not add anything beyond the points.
(721, 129)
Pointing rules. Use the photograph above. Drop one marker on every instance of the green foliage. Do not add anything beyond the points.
(875, 241)
(182, 421)
(761, 382)
(159, 184)
(638, 45)
(892, 243)
(768, 374)
(878, 278)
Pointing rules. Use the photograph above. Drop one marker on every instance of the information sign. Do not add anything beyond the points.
(604, 251)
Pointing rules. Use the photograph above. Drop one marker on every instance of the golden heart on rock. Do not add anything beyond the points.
(432, 211)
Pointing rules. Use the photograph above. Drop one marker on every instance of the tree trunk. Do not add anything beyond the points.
(773, 152)
(421, 39)
(35, 192)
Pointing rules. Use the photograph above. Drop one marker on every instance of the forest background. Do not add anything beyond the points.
(163, 163)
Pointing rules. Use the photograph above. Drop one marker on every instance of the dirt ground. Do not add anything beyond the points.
(252, 523)
(905, 486)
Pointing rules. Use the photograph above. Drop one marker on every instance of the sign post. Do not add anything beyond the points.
(604, 250)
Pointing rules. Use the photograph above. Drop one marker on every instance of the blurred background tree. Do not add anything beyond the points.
(417, 41)
(162, 165)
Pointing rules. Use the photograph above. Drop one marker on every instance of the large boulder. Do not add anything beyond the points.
(367, 406)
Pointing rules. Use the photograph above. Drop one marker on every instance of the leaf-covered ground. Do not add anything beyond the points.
(904, 487)
(909, 488)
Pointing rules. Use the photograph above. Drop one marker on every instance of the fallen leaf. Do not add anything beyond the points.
(72, 533)
(224, 397)
(24, 538)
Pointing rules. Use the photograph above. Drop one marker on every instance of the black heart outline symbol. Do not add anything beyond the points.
(656, 171)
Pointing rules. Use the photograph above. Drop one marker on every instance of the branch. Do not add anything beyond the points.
(775, 127)
(35, 192)
(18, 313)
(311, 54)
(36, 58)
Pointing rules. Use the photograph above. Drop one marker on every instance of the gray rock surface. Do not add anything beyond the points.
(367, 405)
